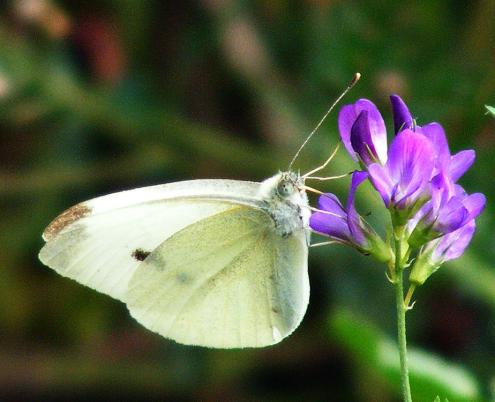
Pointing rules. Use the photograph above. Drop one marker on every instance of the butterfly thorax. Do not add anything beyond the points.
(285, 200)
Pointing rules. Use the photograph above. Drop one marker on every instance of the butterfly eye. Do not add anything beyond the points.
(285, 189)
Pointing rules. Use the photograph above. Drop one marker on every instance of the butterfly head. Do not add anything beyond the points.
(284, 186)
(289, 184)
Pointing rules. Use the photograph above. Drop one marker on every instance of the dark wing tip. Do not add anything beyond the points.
(65, 219)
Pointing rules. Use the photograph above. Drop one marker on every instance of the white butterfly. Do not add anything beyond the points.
(218, 263)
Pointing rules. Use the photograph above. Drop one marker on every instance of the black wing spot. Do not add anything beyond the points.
(139, 254)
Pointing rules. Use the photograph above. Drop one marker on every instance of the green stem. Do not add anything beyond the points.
(401, 321)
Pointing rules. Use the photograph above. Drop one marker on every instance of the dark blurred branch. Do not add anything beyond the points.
(57, 178)
(152, 125)
(160, 126)
(247, 55)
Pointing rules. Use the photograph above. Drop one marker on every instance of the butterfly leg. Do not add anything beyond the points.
(323, 243)
(314, 190)
(327, 178)
(324, 212)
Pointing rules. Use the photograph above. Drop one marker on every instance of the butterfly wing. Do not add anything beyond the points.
(101, 242)
(227, 281)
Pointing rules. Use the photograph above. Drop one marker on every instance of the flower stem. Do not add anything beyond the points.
(407, 300)
(401, 321)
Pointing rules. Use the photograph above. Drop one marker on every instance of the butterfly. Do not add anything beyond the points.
(218, 263)
(215, 263)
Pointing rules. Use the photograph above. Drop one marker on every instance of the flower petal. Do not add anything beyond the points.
(330, 203)
(451, 216)
(410, 164)
(333, 223)
(436, 134)
(357, 178)
(329, 225)
(452, 245)
(361, 139)
(460, 163)
(441, 190)
(347, 117)
(381, 180)
(411, 193)
(426, 215)
(402, 117)
(353, 218)
(475, 204)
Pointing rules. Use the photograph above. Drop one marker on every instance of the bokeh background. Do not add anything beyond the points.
(102, 96)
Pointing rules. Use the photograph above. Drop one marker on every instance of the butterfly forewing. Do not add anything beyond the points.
(100, 243)
(226, 281)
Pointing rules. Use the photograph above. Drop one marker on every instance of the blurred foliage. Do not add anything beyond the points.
(100, 96)
(377, 355)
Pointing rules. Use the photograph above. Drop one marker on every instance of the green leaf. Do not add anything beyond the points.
(437, 399)
(377, 354)
(491, 110)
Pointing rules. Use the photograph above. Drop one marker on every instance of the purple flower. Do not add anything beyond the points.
(402, 175)
(453, 165)
(416, 179)
(333, 219)
(402, 117)
(404, 178)
(452, 246)
(436, 252)
(449, 209)
(345, 225)
(342, 224)
(363, 132)
(416, 155)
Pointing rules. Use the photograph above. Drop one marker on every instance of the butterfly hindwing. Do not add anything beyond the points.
(226, 281)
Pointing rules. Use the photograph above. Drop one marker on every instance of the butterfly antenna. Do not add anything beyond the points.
(356, 78)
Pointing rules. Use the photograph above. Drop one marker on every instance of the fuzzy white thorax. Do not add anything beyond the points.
(286, 202)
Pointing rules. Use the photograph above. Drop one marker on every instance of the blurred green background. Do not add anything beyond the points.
(102, 96)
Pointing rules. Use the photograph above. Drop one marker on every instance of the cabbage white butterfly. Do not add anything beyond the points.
(216, 263)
